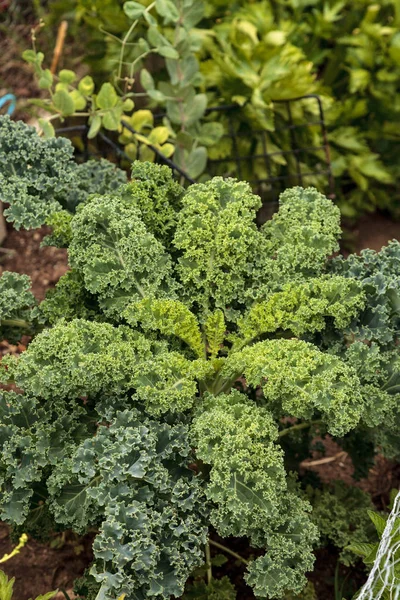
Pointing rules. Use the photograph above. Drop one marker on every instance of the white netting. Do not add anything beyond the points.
(384, 580)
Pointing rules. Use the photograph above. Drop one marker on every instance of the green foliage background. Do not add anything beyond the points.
(254, 53)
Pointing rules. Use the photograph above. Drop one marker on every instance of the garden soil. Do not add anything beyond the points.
(43, 567)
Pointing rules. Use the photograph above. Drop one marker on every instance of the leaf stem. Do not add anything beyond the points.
(16, 323)
(298, 427)
(208, 563)
(228, 551)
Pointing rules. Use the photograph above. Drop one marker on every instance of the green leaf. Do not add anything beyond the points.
(95, 125)
(195, 109)
(361, 549)
(142, 119)
(146, 80)
(64, 103)
(156, 95)
(47, 596)
(112, 119)
(196, 162)
(47, 128)
(79, 100)
(168, 10)
(378, 521)
(168, 52)
(134, 10)
(86, 86)
(107, 97)
(6, 586)
(67, 76)
(128, 105)
(46, 80)
(210, 133)
(193, 12)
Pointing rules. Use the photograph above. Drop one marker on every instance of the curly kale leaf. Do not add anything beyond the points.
(153, 511)
(297, 379)
(83, 358)
(68, 300)
(120, 261)
(304, 307)
(34, 435)
(217, 237)
(379, 274)
(296, 242)
(340, 513)
(158, 197)
(61, 234)
(217, 589)
(249, 488)
(79, 359)
(169, 317)
(39, 177)
(16, 305)
(168, 382)
(379, 373)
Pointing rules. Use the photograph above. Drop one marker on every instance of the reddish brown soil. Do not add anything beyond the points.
(40, 567)
(22, 253)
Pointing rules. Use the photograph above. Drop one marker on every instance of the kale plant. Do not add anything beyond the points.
(39, 177)
(152, 403)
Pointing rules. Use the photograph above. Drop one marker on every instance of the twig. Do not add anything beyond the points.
(229, 551)
(62, 32)
(322, 461)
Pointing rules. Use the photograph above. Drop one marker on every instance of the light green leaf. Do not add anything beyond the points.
(64, 103)
(79, 99)
(195, 109)
(146, 80)
(6, 586)
(47, 128)
(159, 135)
(168, 52)
(112, 119)
(67, 76)
(196, 162)
(128, 105)
(107, 97)
(86, 86)
(134, 10)
(142, 119)
(168, 10)
(46, 80)
(94, 126)
(378, 521)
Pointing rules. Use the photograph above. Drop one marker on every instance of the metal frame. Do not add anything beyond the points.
(275, 183)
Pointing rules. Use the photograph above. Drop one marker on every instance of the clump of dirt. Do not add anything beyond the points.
(22, 253)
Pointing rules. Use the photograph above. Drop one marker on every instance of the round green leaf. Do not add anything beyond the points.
(107, 97)
(128, 105)
(168, 10)
(86, 86)
(112, 119)
(134, 10)
(63, 103)
(46, 80)
(79, 100)
(67, 76)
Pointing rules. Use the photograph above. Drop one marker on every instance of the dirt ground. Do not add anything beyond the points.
(43, 567)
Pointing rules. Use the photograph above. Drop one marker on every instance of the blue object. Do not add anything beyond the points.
(12, 103)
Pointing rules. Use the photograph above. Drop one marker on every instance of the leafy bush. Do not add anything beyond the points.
(254, 54)
(154, 399)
